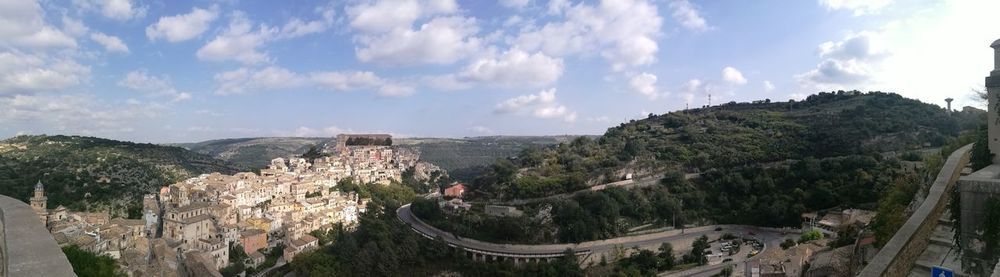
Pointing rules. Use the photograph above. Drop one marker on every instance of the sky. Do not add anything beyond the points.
(183, 71)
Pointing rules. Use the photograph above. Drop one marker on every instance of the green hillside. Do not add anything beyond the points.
(730, 135)
(91, 173)
(758, 163)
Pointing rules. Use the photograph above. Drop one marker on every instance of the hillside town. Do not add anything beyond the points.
(190, 228)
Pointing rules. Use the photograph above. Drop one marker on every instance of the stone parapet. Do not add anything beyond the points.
(899, 254)
(26, 247)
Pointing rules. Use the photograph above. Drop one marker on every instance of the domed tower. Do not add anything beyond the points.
(38, 202)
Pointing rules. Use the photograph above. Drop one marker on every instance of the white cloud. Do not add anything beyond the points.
(692, 88)
(623, 31)
(542, 105)
(833, 73)
(182, 27)
(514, 67)
(558, 6)
(245, 80)
(110, 43)
(640, 50)
(141, 81)
(859, 7)
(271, 78)
(768, 86)
(861, 46)
(688, 16)
(386, 15)
(848, 63)
(733, 76)
(22, 23)
(114, 9)
(74, 27)
(344, 81)
(75, 113)
(296, 27)
(645, 84)
(442, 40)
(22, 73)
(514, 3)
(238, 42)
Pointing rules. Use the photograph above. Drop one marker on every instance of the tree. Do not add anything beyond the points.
(726, 271)
(810, 235)
(788, 243)
(667, 260)
(87, 264)
(698, 248)
(313, 153)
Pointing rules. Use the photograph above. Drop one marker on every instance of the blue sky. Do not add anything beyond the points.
(180, 71)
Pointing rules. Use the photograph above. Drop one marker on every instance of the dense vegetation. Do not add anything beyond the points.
(759, 164)
(383, 246)
(754, 195)
(735, 134)
(85, 173)
(87, 264)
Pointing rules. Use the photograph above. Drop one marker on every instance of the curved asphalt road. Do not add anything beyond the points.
(681, 239)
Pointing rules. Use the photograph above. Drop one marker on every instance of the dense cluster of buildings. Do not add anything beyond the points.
(188, 228)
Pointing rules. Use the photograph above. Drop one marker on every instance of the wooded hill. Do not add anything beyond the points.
(86, 172)
(734, 134)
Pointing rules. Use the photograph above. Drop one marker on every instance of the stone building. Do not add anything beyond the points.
(253, 240)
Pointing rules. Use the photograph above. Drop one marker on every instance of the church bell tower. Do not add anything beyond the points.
(38, 202)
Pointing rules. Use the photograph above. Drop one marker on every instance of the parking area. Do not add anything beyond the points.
(731, 249)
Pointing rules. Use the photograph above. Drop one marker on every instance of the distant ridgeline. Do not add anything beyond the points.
(732, 135)
(84, 173)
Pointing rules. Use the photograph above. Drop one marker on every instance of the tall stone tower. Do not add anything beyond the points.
(993, 93)
(39, 202)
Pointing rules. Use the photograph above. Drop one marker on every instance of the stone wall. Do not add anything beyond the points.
(899, 254)
(27, 247)
(975, 190)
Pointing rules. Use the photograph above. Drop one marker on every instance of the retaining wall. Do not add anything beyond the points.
(899, 254)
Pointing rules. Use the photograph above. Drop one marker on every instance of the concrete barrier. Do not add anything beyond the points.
(899, 254)
(26, 247)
